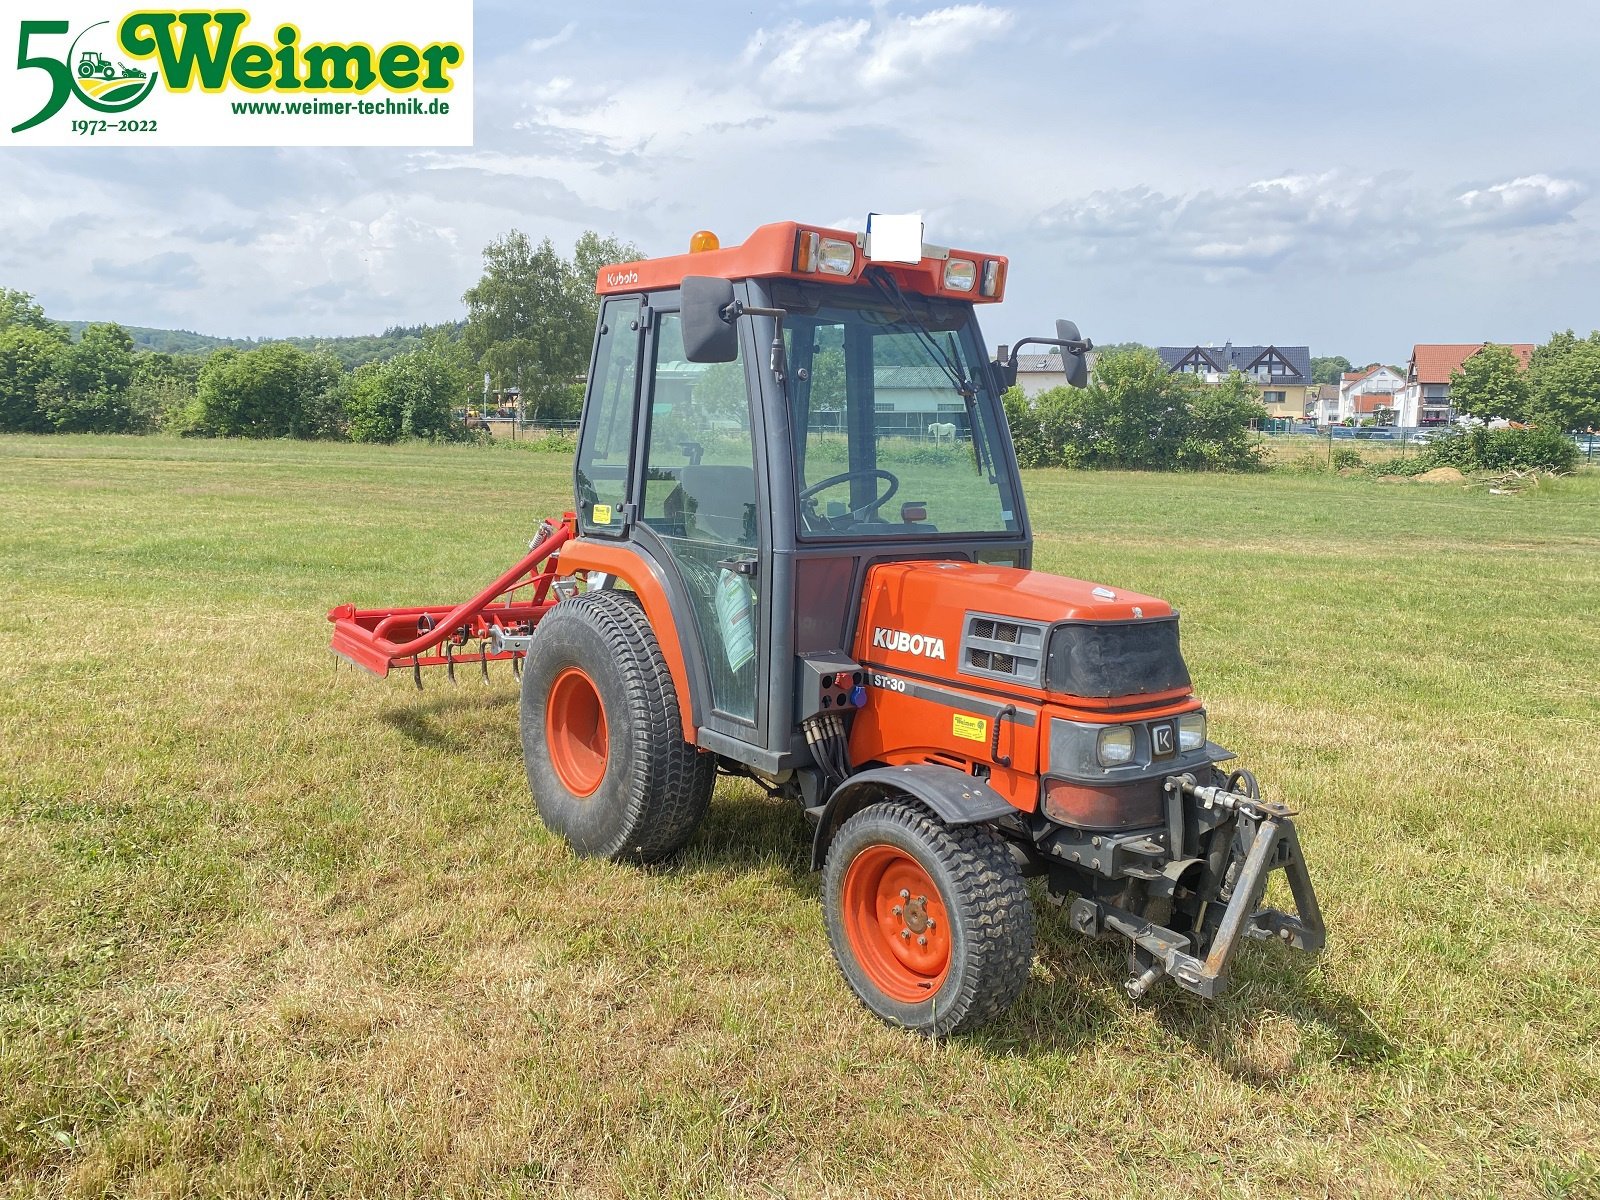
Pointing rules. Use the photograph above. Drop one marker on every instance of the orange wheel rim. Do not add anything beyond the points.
(575, 731)
(895, 922)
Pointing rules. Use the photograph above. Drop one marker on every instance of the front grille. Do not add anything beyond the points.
(992, 646)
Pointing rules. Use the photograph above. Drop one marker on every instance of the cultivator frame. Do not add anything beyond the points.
(497, 619)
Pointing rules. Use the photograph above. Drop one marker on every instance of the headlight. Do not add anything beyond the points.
(831, 256)
(835, 257)
(960, 274)
(1115, 745)
(1192, 731)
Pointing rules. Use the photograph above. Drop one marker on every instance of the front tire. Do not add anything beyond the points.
(930, 924)
(601, 740)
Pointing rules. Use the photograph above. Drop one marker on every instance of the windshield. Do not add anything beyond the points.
(896, 428)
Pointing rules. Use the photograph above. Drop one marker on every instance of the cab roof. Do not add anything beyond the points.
(775, 252)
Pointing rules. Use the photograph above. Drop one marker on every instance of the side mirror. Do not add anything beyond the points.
(1075, 363)
(709, 332)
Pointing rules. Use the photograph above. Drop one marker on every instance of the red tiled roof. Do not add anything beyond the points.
(1436, 362)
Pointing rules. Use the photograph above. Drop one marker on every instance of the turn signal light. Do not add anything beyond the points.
(702, 241)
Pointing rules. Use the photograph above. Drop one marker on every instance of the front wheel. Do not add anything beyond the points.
(931, 924)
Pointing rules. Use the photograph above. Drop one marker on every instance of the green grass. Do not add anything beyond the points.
(271, 928)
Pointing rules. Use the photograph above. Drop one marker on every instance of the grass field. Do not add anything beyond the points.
(271, 928)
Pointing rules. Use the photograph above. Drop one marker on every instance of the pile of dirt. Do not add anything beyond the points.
(1440, 475)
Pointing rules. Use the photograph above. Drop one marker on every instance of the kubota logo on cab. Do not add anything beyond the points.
(334, 73)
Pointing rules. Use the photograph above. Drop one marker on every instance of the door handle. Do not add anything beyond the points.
(743, 564)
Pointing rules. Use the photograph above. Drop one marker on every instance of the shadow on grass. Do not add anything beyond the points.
(1075, 997)
(437, 723)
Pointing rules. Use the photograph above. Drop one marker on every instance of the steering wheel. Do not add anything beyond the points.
(808, 510)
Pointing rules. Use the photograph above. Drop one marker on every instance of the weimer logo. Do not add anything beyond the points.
(231, 77)
(89, 72)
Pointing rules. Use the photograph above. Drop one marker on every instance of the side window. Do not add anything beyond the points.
(700, 475)
(700, 496)
(606, 446)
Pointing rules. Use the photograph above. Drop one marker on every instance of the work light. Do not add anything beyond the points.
(1191, 731)
(960, 274)
(1115, 745)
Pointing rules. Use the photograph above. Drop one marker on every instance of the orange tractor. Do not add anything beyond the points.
(800, 553)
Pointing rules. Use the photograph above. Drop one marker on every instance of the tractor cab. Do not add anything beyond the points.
(799, 552)
(765, 423)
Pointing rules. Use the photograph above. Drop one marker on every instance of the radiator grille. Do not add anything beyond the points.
(993, 646)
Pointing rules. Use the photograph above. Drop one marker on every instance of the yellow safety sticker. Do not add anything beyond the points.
(973, 729)
(601, 514)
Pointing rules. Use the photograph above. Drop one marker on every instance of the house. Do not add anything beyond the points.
(1040, 372)
(1425, 398)
(1282, 372)
(1323, 408)
(1368, 394)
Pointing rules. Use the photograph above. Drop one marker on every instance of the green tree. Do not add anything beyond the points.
(21, 309)
(1491, 384)
(1564, 382)
(1329, 369)
(411, 396)
(27, 368)
(89, 389)
(531, 318)
(524, 323)
(1135, 414)
(275, 391)
(162, 391)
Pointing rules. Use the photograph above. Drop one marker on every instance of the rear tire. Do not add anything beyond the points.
(601, 736)
(958, 951)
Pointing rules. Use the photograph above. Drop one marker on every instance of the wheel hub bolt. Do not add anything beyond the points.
(904, 895)
(922, 941)
(897, 910)
(906, 934)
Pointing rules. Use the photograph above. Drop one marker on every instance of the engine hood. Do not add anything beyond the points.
(914, 613)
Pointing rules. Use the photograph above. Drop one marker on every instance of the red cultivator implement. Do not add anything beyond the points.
(499, 619)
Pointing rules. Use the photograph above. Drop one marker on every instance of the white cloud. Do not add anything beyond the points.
(838, 63)
(1328, 221)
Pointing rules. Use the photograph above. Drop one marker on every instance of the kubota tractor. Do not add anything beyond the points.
(784, 564)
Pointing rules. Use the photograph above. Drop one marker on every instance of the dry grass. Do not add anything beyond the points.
(272, 929)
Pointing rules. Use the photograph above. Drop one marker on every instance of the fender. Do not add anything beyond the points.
(647, 582)
(953, 796)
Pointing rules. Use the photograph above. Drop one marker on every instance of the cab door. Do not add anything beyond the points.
(700, 495)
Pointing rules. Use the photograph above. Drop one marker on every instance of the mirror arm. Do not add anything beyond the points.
(780, 366)
(1082, 346)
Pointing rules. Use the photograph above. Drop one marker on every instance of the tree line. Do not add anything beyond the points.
(1559, 390)
(530, 320)
(1137, 415)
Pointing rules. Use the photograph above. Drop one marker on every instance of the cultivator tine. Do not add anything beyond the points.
(450, 660)
(516, 666)
(416, 672)
(483, 658)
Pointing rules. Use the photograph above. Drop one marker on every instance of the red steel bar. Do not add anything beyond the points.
(361, 635)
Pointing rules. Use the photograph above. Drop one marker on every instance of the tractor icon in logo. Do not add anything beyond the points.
(104, 84)
(94, 63)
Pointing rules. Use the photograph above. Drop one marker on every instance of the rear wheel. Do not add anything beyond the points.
(601, 739)
(931, 924)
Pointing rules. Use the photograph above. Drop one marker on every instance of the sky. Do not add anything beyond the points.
(1355, 177)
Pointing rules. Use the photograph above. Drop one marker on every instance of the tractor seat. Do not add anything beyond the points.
(719, 503)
